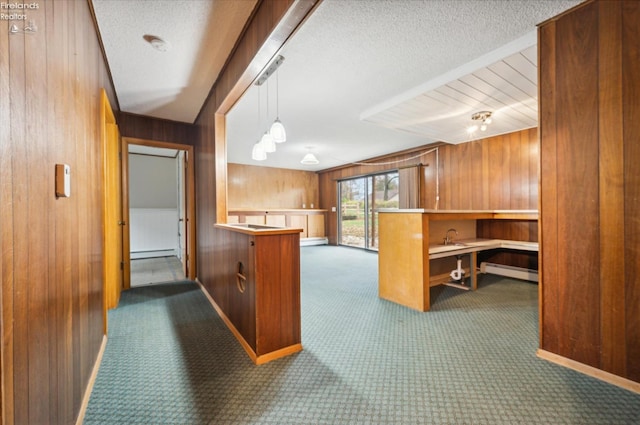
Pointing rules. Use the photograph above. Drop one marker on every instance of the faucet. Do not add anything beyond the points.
(447, 239)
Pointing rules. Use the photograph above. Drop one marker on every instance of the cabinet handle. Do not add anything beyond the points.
(241, 279)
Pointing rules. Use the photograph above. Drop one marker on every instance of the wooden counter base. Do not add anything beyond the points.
(258, 360)
(404, 255)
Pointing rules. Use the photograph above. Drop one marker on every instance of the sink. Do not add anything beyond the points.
(436, 249)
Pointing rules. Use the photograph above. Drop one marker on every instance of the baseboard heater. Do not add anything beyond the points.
(509, 271)
(313, 241)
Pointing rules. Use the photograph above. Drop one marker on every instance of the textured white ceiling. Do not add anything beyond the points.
(361, 78)
(172, 84)
(354, 59)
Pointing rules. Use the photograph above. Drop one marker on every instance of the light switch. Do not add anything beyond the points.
(63, 181)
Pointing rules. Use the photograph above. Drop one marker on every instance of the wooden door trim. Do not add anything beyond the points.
(107, 118)
(126, 240)
(190, 192)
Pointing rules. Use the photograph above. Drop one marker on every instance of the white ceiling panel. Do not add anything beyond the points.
(507, 88)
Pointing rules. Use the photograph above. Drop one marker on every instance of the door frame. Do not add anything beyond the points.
(369, 206)
(111, 208)
(190, 192)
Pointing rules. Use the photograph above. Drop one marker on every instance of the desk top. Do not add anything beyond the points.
(465, 246)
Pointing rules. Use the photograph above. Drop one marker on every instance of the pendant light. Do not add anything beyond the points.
(277, 130)
(258, 153)
(268, 143)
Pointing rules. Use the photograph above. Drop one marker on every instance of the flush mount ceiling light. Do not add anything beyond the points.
(480, 121)
(156, 42)
(309, 158)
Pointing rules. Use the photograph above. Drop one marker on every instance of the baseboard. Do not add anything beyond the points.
(610, 378)
(258, 360)
(141, 255)
(92, 381)
(283, 352)
(509, 271)
(313, 241)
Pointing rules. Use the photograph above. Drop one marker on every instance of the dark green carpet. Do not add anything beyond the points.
(471, 360)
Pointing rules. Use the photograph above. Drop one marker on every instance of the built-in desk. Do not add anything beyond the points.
(409, 240)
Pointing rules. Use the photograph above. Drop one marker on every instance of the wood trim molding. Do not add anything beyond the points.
(191, 192)
(257, 360)
(385, 157)
(589, 370)
(274, 355)
(91, 383)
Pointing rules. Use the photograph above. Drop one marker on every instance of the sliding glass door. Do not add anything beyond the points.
(360, 200)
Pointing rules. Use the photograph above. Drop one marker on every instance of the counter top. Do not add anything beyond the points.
(465, 246)
(281, 210)
(426, 211)
(258, 229)
(467, 214)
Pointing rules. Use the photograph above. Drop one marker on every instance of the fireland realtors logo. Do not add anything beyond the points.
(16, 11)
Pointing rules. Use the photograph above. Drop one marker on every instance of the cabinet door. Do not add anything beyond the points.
(276, 220)
(299, 221)
(316, 226)
(255, 219)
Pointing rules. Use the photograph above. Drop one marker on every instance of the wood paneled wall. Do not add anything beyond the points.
(496, 173)
(51, 263)
(590, 232)
(250, 187)
(149, 128)
(272, 23)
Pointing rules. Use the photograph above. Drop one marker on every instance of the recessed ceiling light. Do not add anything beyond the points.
(156, 42)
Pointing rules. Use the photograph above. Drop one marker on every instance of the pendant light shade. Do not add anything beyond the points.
(258, 153)
(309, 159)
(268, 143)
(278, 132)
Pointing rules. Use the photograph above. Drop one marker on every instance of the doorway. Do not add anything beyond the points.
(158, 204)
(360, 200)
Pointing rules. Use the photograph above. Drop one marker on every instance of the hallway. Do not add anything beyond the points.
(148, 271)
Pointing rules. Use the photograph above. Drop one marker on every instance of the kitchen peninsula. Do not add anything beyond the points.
(413, 256)
(259, 289)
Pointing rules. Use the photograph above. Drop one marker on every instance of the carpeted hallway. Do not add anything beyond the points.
(471, 360)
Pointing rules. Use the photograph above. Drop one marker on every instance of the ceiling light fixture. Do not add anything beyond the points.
(309, 158)
(268, 144)
(258, 153)
(480, 121)
(156, 42)
(277, 130)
